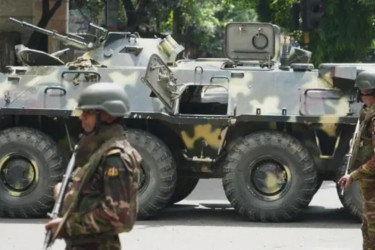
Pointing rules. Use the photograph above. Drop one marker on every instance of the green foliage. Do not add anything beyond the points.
(282, 13)
(203, 24)
(368, 3)
(93, 9)
(345, 33)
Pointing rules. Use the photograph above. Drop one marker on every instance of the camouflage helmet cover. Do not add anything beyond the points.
(365, 80)
(107, 97)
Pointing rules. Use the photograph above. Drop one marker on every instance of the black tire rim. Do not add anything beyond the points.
(268, 178)
(18, 174)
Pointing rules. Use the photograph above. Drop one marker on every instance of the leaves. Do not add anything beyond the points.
(202, 24)
(345, 33)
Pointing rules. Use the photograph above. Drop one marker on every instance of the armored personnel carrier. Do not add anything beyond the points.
(272, 128)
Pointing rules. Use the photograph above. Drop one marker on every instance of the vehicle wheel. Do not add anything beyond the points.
(158, 173)
(30, 166)
(269, 176)
(351, 199)
(184, 187)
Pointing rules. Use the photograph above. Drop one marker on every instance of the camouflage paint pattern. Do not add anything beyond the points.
(365, 174)
(203, 140)
(102, 201)
(248, 90)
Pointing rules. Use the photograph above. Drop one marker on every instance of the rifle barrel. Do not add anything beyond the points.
(74, 42)
(60, 199)
(349, 155)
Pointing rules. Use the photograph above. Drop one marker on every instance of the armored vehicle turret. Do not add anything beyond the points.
(272, 128)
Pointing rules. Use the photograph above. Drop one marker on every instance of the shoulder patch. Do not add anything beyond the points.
(112, 172)
(113, 151)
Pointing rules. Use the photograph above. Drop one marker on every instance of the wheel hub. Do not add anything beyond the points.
(269, 178)
(17, 174)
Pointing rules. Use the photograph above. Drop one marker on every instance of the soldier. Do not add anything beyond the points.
(365, 158)
(102, 200)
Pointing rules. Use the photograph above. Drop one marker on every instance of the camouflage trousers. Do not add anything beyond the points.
(94, 243)
(368, 216)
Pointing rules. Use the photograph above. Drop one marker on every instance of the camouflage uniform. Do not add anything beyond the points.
(102, 200)
(365, 174)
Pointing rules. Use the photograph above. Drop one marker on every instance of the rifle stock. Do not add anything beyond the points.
(48, 240)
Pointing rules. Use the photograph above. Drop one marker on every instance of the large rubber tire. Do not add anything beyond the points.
(158, 173)
(351, 199)
(269, 176)
(318, 185)
(184, 187)
(30, 166)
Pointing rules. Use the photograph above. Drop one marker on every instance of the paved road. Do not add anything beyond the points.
(205, 220)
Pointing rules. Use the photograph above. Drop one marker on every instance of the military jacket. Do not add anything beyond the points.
(365, 158)
(103, 195)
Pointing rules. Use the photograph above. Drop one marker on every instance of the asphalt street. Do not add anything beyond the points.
(205, 220)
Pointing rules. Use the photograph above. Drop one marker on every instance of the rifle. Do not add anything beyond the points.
(48, 240)
(349, 155)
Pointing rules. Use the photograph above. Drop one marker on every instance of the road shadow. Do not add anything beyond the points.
(210, 214)
(219, 214)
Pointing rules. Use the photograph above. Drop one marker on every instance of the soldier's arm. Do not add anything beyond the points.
(110, 213)
(369, 167)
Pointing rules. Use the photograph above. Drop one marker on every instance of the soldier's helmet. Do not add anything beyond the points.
(108, 97)
(366, 81)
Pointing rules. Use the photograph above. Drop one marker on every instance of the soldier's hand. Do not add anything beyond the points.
(345, 181)
(53, 225)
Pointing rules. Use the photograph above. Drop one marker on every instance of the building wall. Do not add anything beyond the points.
(20, 9)
(31, 11)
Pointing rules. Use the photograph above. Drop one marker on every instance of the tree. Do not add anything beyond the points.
(94, 9)
(263, 10)
(200, 25)
(142, 16)
(38, 40)
(345, 32)
(369, 3)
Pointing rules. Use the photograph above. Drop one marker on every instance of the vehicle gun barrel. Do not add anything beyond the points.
(68, 40)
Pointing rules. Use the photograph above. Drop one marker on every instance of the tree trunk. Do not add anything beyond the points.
(38, 40)
(177, 23)
(131, 15)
